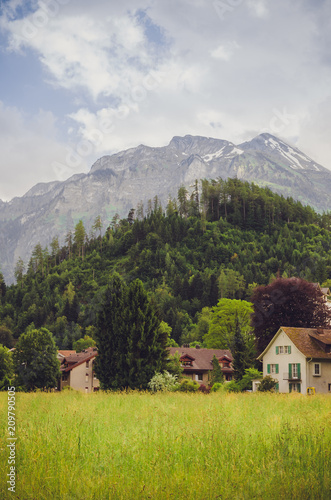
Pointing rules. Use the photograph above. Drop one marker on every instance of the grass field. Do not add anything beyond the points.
(169, 446)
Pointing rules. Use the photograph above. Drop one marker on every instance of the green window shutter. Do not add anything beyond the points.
(289, 349)
(277, 368)
(299, 374)
(299, 387)
(277, 349)
(290, 370)
(268, 368)
(277, 387)
(290, 387)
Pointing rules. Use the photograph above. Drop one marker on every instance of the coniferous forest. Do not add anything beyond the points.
(220, 240)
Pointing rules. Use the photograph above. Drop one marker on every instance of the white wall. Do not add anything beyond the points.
(283, 361)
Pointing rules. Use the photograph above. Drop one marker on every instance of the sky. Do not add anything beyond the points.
(82, 79)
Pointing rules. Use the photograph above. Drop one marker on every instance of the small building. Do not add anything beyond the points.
(77, 371)
(299, 358)
(197, 362)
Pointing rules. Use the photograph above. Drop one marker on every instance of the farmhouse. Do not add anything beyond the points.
(299, 358)
(77, 371)
(197, 362)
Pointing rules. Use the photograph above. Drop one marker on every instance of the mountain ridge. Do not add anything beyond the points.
(116, 183)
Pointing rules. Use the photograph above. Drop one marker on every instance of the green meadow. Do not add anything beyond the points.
(169, 446)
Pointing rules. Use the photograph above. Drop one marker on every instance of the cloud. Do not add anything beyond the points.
(141, 72)
(29, 147)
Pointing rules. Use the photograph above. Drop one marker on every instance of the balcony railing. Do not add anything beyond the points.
(295, 376)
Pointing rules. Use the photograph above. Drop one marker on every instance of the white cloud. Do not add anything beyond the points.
(29, 148)
(258, 7)
(141, 72)
(225, 52)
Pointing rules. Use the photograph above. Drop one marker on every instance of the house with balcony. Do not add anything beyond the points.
(298, 358)
(197, 362)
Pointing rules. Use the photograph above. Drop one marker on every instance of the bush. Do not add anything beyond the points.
(232, 387)
(267, 384)
(163, 382)
(187, 385)
(217, 387)
(204, 389)
(246, 382)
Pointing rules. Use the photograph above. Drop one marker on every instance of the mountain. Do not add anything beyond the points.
(119, 182)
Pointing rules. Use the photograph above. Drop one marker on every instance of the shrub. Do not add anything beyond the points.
(267, 384)
(217, 387)
(187, 385)
(204, 389)
(232, 387)
(163, 382)
(246, 382)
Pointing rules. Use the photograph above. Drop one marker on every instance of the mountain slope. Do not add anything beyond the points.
(118, 182)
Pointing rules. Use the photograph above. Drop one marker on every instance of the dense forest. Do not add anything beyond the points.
(219, 241)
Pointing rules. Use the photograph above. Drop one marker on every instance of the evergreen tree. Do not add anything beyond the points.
(111, 336)
(79, 238)
(130, 343)
(241, 352)
(216, 375)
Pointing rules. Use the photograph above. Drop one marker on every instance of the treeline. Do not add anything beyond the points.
(220, 240)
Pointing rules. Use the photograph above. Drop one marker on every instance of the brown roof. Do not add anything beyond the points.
(310, 341)
(202, 358)
(66, 353)
(77, 359)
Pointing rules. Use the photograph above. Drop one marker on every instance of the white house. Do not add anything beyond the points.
(299, 358)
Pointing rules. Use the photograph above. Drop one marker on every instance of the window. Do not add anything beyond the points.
(87, 364)
(329, 387)
(86, 377)
(199, 376)
(317, 369)
(283, 349)
(294, 370)
(273, 368)
(295, 387)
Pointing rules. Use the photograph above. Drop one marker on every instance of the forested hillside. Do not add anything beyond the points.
(219, 243)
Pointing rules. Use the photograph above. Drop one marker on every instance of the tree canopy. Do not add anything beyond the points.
(35, 359)
(287, 302)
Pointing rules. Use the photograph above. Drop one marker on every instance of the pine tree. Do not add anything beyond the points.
(111, 336)
(131, 347)
(216, 374)
(240, 352)
(79, 238)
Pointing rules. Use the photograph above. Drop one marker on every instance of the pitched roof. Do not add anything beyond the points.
(77, 359)
(202, 358)
(311, 342)
(66, 353)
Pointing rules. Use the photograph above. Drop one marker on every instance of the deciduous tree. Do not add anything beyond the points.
(287, 302)
(35, 360)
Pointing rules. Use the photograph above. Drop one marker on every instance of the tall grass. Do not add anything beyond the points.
(170, 446)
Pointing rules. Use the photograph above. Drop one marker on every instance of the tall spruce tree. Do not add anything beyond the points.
(216, 374)
(111, 335)
(241, 352)
(131, 346)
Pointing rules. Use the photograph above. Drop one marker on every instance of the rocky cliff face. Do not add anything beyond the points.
(118, 182)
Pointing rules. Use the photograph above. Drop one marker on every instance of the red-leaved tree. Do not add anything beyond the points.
(287, 302)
